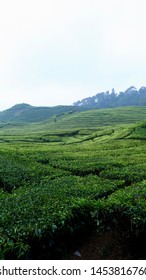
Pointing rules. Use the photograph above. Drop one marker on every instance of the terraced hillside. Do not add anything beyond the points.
(102, 117)
(63, 187)
(76, 120)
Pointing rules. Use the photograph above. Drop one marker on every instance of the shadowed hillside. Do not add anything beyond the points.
(27, 113)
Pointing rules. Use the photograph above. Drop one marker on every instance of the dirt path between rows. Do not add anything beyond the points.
(104, 246)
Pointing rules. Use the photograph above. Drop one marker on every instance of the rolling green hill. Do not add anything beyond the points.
(70, 120)
(27, 113)
(101, 117)
(69, 177)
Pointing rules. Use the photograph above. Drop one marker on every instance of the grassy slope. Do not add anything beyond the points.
(25, 113)
(102, 117)
(77, 120)
(89, 166)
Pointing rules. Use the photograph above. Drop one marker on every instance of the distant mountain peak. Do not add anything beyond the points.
(21, 106)
(24, 112)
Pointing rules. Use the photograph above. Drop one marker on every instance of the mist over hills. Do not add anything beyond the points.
(25, 113)
(130, 97)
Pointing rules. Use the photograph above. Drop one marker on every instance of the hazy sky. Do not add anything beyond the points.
(59, 51)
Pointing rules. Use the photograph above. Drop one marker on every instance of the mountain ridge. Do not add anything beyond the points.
(23, 112)
(130, 97)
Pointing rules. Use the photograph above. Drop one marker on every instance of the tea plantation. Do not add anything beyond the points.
(60, 180)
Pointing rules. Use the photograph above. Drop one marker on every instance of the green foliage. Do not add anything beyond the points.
(26, 113)
(35, 121)
(54, 184)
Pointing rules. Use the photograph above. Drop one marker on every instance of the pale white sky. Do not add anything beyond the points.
(56, 52)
